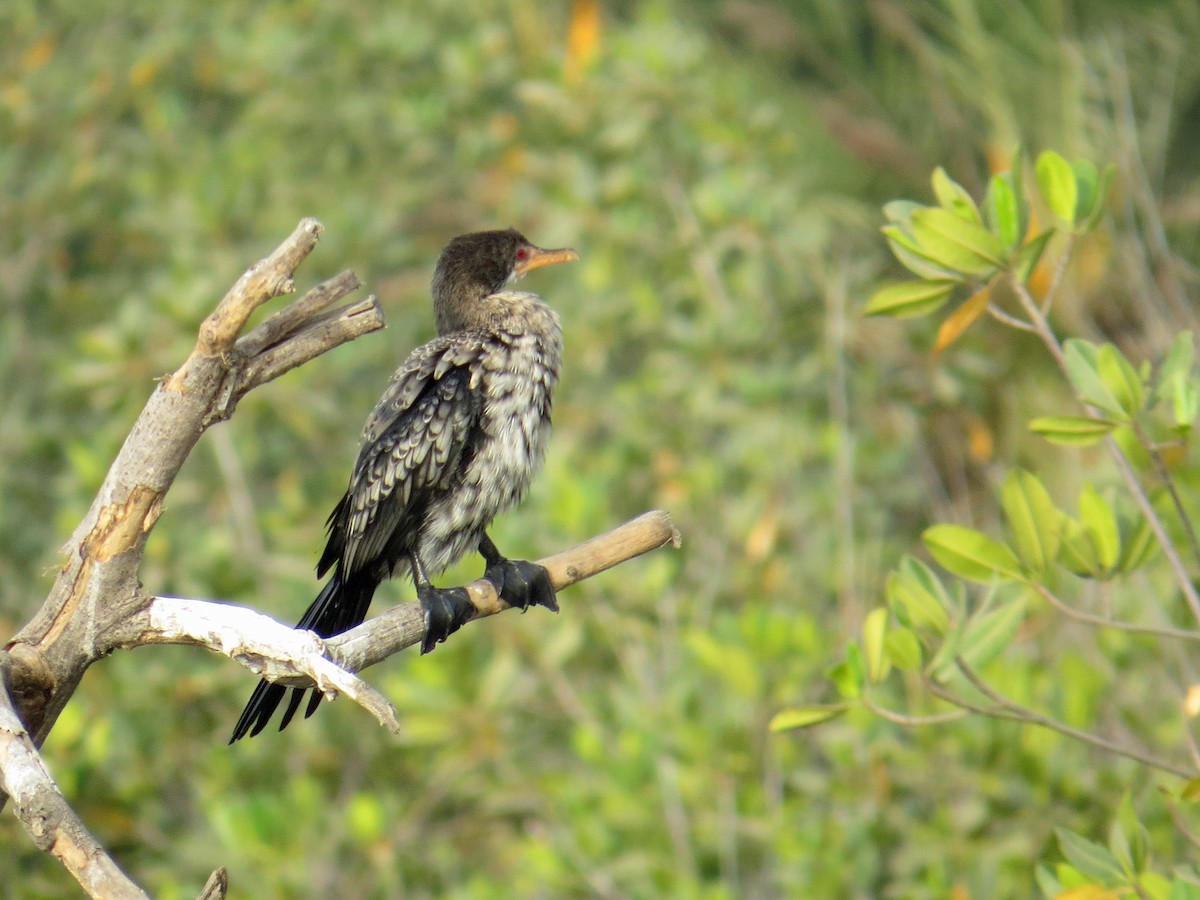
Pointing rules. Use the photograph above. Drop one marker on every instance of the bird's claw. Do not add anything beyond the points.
(446, 611)
(522, 584)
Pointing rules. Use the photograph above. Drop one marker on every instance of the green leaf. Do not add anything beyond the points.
(1033, 520)
(903, 649)
(1175, 384)
(909, 298)
(805, 716)
(1100, 520)
(942, 667)
(904, 249)
(953, 197)
(917, 598)
(849, 676)
(1190, 791)
(989, 635)
(1077, 551)
(901, 210)
(1121, 380)
(1138, 544)
(1002, 210)
(1072, 431)
(365, 816)
(1185, 404)
(1047, 883)
(874, 631)
(1136, 838)
(1057, 183)
(1082, 361)
(1178, 362)
(1157, 887)
(956, 243)
(1090, 858)
(1091, 217)
(1030, 254)
(1087, 182)
(970, 554)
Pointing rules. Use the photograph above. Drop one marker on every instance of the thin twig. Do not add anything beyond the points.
(1060, 269)
(1105, 622)
(1164, 475)
(216, 887)
(1004, 708)
(281, 324)
(1008, 319)
(1046, 333)
(1177, 818)
(914, 721)
(318, 336)
(267, 278)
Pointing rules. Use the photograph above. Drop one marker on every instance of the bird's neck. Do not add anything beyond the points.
(508, 312)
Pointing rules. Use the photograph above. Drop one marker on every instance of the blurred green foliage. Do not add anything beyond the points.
(719, 165)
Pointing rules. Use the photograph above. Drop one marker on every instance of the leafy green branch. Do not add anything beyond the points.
(945, 635)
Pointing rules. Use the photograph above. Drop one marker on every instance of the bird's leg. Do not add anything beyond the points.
(519, 583)
(446, 609)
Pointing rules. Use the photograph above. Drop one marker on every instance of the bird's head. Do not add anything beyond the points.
(478, 265)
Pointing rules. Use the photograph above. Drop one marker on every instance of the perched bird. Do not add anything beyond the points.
(454, 441)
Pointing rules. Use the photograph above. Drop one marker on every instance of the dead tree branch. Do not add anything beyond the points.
(47, 816)
(301, 659)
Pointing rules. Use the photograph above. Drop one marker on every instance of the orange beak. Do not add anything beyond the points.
(536, 257)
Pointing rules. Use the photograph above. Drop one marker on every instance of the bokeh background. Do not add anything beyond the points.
(719, 164)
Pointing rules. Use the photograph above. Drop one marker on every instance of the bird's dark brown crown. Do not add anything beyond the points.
(475, 266)
(479, 264)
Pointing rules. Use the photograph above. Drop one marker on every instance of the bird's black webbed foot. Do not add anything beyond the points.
(522, 584)
(519, 583)
(446, 611)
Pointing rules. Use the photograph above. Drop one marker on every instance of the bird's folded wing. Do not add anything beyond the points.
(412, 444)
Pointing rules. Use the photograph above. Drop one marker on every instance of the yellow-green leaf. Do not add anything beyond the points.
(970, 554)
(903, 649)
(914, 601)
(1138, 545)
(956, 243)
(1072, 431)
(806, 716)
(874, 631)
(1082, 361)
(1034, 522)
(953, 196)
(1077, 550)
(1030, 254)
(1101, 522)
(1002, 209)
(1057, 182)
(909, 298)
(1121, 379)
(1191, 790)
(1089, 857)
(988, 636)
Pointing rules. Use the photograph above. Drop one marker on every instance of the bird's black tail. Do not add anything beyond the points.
(339, 607)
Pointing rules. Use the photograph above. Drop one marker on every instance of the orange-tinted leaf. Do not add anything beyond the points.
(583, 39)
(963, 318)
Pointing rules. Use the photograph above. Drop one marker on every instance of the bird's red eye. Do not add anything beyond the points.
(523, 253)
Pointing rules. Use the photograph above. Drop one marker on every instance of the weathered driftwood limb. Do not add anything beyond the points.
(51, 822)
(97, 587)
(300, 658)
